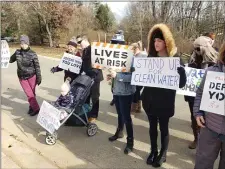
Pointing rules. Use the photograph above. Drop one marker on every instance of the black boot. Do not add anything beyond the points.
(152, 156)
(30, 110)
(118, 134)
(130, 145)
(34, 113)
(112, 102)
(162, 155)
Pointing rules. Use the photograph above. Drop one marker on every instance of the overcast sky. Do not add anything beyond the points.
(117, 8)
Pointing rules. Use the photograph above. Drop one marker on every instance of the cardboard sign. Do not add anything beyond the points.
(194, 78)
(111, 56)
(158, 72)
(213, 98)
(5, 54)
(71, 63)
(48, 117)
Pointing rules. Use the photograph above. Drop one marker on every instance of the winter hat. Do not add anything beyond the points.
(158, 34)
(24, 39)
(65, 88)
(72, 42)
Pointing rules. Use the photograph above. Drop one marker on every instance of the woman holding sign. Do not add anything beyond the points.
(158, 103)
(29, 72)
(211, 141)
(203, 56)
(123, 95)
(71, 49)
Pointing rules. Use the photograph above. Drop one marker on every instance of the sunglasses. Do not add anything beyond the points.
(197, 48)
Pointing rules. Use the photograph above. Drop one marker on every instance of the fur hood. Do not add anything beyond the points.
(169, 40)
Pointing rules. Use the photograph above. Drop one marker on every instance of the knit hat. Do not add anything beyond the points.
(158, 34)
(24, 39)
(65, 88)
(72, 42)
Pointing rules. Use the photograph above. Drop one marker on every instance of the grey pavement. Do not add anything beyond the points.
(74, 149)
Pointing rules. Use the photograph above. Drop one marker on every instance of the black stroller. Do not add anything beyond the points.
(80, 87)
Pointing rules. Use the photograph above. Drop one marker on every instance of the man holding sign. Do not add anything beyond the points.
(209, 110)
(162, 73)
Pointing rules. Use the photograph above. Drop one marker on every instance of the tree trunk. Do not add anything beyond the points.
(41, 37)
(49, 33)
(18, 27)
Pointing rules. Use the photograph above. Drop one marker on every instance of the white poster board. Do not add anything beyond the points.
(213, 98)
(5, 54)
(111, 56)
(48, 117)
(160, 72)
(71, 62)
(194, 78)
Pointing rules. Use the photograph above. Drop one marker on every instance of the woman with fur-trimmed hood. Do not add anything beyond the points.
(159, 103)
(211, 140)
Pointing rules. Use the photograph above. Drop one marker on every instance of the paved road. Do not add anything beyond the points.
(75, 149)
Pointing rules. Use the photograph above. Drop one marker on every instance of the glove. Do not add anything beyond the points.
(53, 70)
(132, 69)
(38, 81)
(181, 71)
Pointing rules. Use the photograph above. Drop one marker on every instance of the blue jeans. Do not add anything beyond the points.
(123, 108)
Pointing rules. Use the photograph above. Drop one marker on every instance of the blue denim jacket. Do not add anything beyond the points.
(122, 84)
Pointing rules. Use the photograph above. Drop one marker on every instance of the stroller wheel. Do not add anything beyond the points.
(50, 140)
(92, 129)
(55, 134)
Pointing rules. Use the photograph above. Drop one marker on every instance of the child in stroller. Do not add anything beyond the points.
(71, 102)
(65, 100)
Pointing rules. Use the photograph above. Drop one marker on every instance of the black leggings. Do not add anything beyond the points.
(153, 131)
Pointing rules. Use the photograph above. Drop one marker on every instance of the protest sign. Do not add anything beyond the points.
(194, 78)
(158, 72)
(213, 98)
(71, 63)
(48, 117)
(111, 56)
(5, 54)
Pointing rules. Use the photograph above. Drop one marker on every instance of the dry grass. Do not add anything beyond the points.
(41, 50)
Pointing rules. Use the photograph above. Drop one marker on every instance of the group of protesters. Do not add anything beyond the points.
(158, 103)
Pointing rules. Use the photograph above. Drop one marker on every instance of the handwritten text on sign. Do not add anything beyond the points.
(117, 57)
(71, 63)
(48, 117)
(5, 54)
(213, 98)
(194, 78)
(158, 72)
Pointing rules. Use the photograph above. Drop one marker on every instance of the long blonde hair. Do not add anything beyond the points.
(222, 53)
(137, 45)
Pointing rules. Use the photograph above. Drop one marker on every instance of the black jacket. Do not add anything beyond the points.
(27, 64)
(87, 66)
(161, 102)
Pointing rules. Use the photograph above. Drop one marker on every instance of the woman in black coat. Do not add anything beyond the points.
(159, 103)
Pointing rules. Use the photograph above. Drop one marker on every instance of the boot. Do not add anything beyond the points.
(112, 102)
(162, 155)
(138, 107)
(133, 107)
(30, 110)
(152, 157)
(118, 134)
(129, 146)
(34, 113)
(193, 144)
